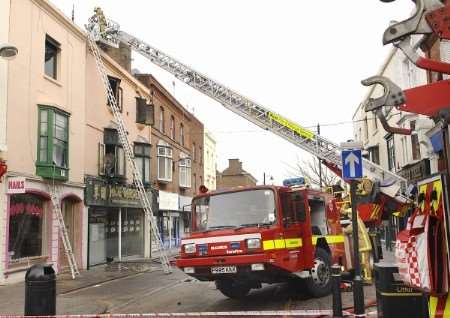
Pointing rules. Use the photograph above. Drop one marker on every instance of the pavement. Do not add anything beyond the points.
(140, 286)
(12, 296)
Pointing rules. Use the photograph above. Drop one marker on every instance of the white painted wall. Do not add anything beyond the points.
(210, 161)
(371, 133)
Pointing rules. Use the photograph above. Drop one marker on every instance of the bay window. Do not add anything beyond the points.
(53, 143)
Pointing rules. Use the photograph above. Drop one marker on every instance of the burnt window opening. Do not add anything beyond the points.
(114, 82)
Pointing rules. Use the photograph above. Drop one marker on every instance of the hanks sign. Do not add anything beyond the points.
(16, 185)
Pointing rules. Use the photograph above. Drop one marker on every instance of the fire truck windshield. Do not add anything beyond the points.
(234, 209)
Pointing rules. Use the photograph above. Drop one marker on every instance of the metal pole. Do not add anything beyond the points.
(358, 291)
(264, 178)
(336, 288)
(320, 161)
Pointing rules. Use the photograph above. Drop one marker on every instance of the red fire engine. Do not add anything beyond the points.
(246, 236)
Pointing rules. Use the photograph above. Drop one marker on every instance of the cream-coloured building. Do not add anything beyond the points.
(407, 155)
(45, 99)
(210, 165)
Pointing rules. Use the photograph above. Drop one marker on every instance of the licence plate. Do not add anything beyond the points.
(223, 269)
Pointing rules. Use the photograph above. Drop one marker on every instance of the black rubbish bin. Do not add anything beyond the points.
(40, 291)
(394, 298)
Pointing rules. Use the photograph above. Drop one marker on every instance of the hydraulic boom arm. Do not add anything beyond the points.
(108, 32)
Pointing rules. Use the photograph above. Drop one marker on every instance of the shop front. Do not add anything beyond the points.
(31, 232)
(117, 226)
(169, 218)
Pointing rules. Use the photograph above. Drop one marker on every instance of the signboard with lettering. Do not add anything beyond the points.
(100, 193)
(16, 185)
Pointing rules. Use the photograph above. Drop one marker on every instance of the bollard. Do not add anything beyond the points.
(40, 291)
(336, 289)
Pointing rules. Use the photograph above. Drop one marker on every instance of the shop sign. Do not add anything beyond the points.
(124, 196)
(16, 185)
(168, 201)
(185, 203)
(417, 171)
(99, 193)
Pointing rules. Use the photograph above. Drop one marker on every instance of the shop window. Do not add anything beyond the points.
(185, 172)
(114, 82)
(53, 143)
(52, 50)
(26, 224)
(172, 127)
(164, 163)
(142, 160)
(182, 134)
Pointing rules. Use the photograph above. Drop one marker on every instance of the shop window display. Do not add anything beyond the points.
(25, 226)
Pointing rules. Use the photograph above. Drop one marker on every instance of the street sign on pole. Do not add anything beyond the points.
(352, 164)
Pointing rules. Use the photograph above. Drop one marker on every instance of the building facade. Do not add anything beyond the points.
(408, 155)
(210, 165)
(59, 131)
(177, 170)
(44, 139)
(234, 176)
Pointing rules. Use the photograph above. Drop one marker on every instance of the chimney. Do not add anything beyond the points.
(235, 165)
(121, 55)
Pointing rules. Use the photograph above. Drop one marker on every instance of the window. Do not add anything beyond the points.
(145, 113)
(193, 152)
(172, 127)
(201, 154)
(415, 145)
(51, 57)
(26, 222)
(374, 154)
(161, 119)
(391, 152)
(293, 207)
(182, 134)
(117, 91)
(375, 123)
(164, 163)
(185, 173)
(112, 162)
(366, 129)
(142, 160)
(194, 179)
(317, 213)
(53, 143)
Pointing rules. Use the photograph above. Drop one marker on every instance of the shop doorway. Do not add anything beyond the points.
(72, 221)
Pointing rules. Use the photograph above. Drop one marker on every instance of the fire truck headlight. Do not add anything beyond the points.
(254, 243)
(189, 248)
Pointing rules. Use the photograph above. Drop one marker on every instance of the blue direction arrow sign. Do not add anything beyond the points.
(352, 164)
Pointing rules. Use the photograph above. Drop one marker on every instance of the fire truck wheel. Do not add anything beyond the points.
(319, 284)
(232, 288)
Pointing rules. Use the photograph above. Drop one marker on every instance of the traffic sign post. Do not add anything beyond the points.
(352, 170)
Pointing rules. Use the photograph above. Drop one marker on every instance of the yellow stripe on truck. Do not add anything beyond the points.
(297, 242)
(432, 304)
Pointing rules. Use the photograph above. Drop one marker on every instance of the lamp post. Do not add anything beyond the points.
(8, 51)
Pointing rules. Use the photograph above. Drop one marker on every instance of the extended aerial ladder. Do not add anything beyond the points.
(108, 32)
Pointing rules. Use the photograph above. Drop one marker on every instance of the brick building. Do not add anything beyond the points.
(234, 176)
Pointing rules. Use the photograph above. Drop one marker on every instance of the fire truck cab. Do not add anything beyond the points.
(243, 237)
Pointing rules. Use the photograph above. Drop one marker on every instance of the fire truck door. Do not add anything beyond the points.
(297, 232)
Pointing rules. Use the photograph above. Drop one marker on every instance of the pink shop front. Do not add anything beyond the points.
(32, 230)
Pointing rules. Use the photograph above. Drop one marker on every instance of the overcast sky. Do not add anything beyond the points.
(302, 59)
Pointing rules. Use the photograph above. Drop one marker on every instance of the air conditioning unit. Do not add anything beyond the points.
(145, 113)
